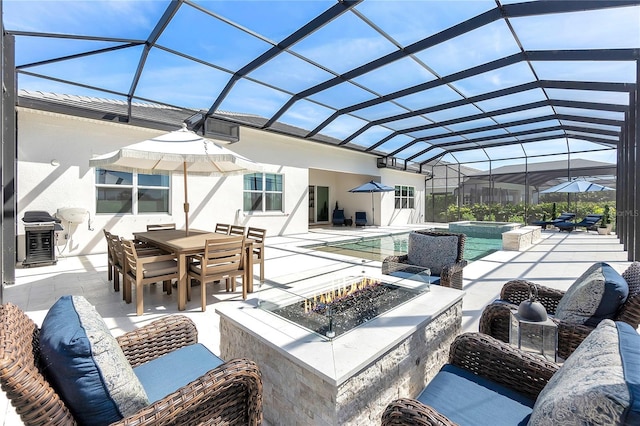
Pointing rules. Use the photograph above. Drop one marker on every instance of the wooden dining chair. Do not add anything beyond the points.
(161, 227)
(143, 270)
(223, 258)
(237, 230)
(110, 267)
(118, 258)
(257, 236)
(222, 228)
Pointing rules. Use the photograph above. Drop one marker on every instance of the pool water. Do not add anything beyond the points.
(379, 248)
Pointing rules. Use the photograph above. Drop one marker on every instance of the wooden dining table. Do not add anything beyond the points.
(182, 245)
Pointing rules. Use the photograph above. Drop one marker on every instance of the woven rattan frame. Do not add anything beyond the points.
(230, 394)
(487, 357)
(451, 275)
(494, 320)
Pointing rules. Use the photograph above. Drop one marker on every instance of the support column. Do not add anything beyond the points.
(634, 135)
(8, 157)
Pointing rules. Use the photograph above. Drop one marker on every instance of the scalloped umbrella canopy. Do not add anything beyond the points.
(181, 151)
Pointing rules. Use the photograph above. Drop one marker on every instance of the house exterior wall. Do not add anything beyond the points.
(53, 172)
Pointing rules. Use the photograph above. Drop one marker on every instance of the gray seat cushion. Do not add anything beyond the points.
(158, 269)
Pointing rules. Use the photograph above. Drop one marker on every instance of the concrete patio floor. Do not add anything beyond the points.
(556, 261)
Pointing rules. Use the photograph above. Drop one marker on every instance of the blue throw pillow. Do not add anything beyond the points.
(86, 365)
(596, 295)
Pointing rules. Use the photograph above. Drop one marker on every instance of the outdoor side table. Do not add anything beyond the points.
(538, 337)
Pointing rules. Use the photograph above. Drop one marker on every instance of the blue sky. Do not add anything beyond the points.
(227, 35)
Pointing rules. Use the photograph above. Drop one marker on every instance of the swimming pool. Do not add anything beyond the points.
(377, 248)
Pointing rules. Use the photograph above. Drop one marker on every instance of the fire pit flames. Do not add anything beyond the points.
(320, 303)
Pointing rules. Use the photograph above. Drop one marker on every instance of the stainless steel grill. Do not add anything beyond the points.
(39, 232)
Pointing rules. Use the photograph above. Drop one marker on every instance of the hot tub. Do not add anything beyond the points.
(483, 229)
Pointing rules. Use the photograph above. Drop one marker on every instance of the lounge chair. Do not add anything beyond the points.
(589, 223)
(441, 252)
(361, 219)
(188, 385)
(488, 382)
(495, 318)
(564, 217)
(338, 217)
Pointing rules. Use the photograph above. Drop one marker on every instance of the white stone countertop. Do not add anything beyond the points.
(341, 358)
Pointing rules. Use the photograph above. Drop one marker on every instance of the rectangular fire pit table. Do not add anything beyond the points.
(309, 378)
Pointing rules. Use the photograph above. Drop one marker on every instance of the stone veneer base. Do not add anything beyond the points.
(296, 393)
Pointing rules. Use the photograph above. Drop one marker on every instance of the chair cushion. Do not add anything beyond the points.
(157, 269)
(86, 365)
(432, 252)
(598, 384)
(468, 399)
(596, 295)
(632, 277)
(168, 373)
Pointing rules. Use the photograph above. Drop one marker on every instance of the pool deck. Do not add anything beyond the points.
(556, 261)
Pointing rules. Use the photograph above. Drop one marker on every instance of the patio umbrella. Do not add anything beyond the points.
(372, 187)
(576, 186)
(181, 151)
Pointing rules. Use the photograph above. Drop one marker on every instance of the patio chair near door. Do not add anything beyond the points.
(361, 219)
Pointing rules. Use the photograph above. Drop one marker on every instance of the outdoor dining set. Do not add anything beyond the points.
(487, 379)
(165, 254)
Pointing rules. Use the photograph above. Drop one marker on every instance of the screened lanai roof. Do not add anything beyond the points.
(414, 83)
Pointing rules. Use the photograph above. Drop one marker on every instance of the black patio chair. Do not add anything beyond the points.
(564, 217)
(361, 219)
(338, 217)
(589, 223)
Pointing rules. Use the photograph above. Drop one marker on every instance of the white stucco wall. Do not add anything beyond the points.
(69, 181)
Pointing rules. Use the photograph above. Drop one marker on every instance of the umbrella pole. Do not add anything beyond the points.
(186, 199)
(373, 211)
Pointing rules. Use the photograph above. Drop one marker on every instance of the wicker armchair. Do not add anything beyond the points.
(488, 358)
(494, 320)
(229, 394)
(451, 275)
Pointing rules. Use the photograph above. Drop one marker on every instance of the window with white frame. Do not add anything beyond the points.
(404, 197)
(131, 193)
(262, 192)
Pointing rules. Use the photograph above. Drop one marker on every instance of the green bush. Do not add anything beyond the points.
(516, 212)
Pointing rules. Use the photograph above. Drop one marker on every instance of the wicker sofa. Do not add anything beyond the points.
(494, 320)
(228, 394)
(491, 382)
(441, 251)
